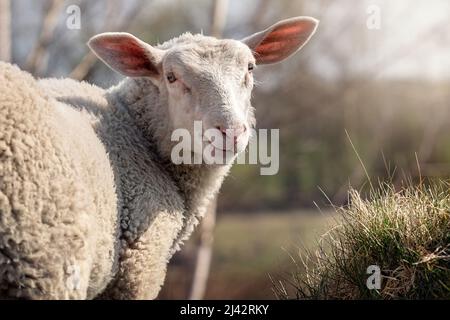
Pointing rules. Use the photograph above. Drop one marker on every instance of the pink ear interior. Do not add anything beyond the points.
(125, 54)
(283, 39)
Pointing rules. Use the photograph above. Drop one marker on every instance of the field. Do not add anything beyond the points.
(247, 249)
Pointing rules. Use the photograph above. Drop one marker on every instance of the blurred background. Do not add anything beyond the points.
(376, 74)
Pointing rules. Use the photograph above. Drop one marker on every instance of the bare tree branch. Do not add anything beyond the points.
(219, 17)
(81, 70)
(50, 21)
(204, 254)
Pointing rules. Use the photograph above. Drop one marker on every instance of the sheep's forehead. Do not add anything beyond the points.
(199, 53)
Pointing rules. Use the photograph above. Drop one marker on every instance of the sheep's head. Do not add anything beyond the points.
(206, 79)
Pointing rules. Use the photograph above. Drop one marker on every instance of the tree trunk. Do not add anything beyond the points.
(205, 249)
(5, 30)
(204, 253)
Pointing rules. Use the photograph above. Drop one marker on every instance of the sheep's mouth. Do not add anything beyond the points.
(214, 144)
(225, 152)
(234, 151)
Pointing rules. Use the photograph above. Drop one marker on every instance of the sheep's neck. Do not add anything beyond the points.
(197, 183)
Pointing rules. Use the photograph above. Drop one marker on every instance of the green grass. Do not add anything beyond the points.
(405, 232)
(247, 248)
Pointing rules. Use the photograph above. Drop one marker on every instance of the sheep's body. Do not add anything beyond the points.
(50, 187)
(91, 204)
(67, 229)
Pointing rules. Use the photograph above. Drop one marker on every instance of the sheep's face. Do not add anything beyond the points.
(209, 82)
(205, 80)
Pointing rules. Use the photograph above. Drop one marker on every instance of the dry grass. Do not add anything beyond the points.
(406, 233)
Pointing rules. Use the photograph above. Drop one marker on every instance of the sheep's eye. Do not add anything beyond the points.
(251, 66)
(171, 77)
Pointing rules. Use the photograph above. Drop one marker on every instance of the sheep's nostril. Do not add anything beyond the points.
(238, 131)
(232, 133)
(222, 130)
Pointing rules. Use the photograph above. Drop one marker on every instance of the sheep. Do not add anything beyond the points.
(91, 203)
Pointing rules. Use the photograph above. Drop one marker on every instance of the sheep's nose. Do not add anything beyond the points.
(233, 132)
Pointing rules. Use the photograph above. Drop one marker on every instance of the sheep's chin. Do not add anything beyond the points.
(228, 156)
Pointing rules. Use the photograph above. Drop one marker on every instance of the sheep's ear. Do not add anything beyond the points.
(281, 40)
(127, 54)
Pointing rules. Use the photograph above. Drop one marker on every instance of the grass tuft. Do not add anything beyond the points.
(405, 232)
